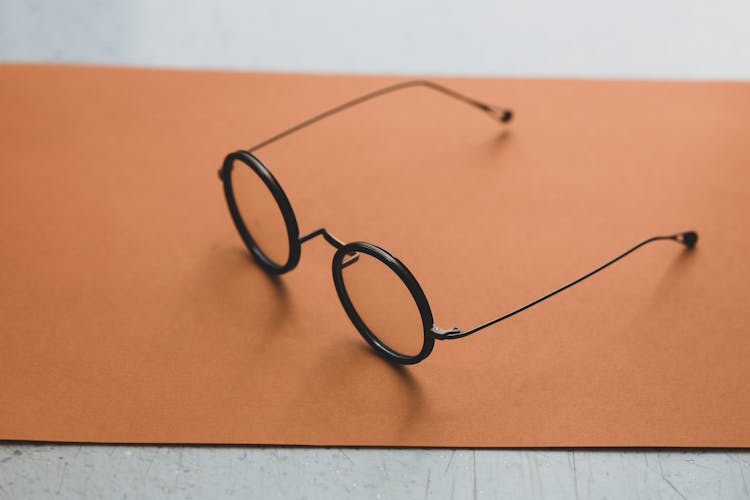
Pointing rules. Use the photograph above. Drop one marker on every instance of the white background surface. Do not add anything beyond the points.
(577, 38)
(635, 38)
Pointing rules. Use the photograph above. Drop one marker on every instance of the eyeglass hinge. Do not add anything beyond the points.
(442, 334)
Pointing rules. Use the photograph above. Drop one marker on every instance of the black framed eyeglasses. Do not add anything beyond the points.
(378, 292)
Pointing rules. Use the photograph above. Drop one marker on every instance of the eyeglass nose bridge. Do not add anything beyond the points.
(334, 242)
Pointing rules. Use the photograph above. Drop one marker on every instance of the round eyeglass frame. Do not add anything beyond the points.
(292, 229)
(408, 279)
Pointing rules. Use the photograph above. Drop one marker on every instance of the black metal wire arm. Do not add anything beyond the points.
(503, 115)
(688, 238)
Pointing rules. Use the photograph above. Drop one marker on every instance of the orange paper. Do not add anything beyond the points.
(131, 312)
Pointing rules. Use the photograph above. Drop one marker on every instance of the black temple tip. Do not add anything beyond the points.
(689, 238)
(501, 114)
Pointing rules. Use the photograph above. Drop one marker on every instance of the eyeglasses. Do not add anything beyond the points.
(378, 292)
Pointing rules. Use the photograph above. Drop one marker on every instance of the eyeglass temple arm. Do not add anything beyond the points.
(688, 238)
(503, 115)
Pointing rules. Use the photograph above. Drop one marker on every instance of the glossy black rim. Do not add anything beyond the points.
(290, 220)
(411, 284)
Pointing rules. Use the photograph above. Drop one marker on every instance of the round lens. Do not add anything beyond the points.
(260, 213)
(384, 304)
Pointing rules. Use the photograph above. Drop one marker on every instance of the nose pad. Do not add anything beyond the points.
(352, 257)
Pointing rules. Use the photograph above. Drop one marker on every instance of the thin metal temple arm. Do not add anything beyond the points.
(688, 238)
(503, 115)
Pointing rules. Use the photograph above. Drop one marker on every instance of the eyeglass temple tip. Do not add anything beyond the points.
(503, 115)
(506, 116)
(687, 238)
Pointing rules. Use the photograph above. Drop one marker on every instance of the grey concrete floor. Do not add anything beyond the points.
(588, 38)
(106, 471)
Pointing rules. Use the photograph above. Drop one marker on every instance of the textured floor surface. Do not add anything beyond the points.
(74, 471)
